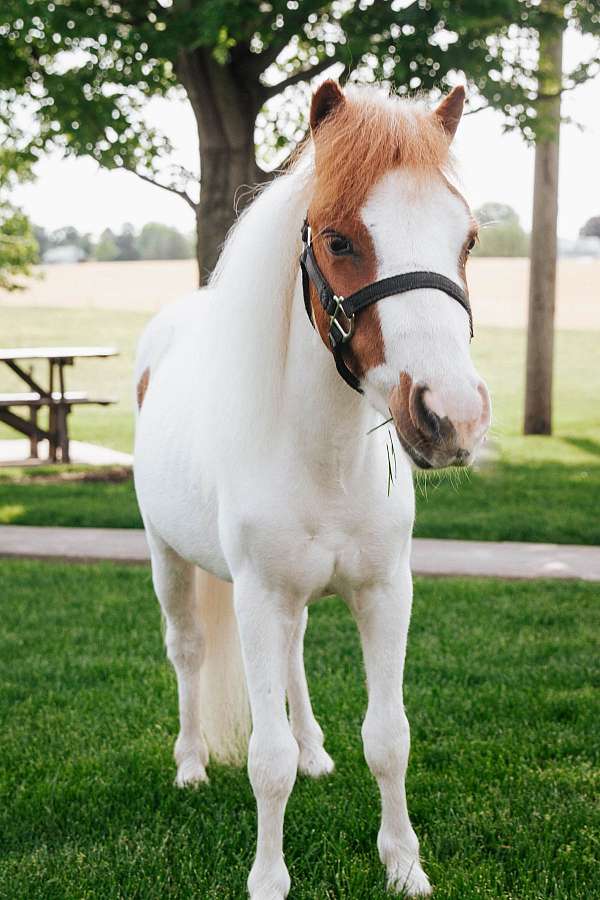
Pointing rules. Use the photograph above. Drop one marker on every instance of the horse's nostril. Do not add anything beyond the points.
(423, 418)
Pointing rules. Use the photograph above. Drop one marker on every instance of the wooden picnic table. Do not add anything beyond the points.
(53, 395)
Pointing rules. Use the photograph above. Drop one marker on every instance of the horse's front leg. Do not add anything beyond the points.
(382, 615)
(267, 624)
(313, 760)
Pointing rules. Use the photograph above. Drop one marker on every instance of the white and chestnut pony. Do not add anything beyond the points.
(255, 464)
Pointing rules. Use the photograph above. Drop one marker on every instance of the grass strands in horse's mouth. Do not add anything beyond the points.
(391, 456)
(381, 424)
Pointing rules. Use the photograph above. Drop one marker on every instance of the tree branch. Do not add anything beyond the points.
(173, 190)
(271, 90)
(471, 112)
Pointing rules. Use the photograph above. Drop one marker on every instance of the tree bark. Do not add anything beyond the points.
(225, 102)
(542, 277)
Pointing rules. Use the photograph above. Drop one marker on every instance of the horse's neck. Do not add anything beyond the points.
(328, 421)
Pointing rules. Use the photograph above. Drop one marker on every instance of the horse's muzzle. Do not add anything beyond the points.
(431, 437)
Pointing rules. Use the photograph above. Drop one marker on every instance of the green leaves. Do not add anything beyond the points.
(18, 247)
(85, 69)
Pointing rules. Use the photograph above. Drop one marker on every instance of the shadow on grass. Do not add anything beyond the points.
(588, 445)
(69, 498)
(549, 502)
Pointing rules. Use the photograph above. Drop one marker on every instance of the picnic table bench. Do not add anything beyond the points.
(55, 397)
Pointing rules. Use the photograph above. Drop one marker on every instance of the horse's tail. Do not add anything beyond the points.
(224, 708)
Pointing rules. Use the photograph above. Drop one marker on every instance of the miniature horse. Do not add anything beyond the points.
(256, 464)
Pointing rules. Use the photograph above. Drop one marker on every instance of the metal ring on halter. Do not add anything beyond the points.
(344, 335)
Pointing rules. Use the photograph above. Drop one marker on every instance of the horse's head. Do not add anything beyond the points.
(383, 205)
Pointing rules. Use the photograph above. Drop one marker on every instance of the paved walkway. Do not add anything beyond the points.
(430, 557)
(16, 453)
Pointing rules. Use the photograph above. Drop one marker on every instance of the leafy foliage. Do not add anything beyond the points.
(18, 247)
(85, 68)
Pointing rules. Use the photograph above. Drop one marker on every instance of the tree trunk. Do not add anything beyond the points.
(226, 102)
(227, 176)
(542, 276)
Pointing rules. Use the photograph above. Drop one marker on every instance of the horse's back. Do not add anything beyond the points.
(166, 328)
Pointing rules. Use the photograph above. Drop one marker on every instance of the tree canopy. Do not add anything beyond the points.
(82, 71)
(85, 68)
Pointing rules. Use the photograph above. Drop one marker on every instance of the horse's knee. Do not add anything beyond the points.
(273, 763)
(386, 742)
(185, 647)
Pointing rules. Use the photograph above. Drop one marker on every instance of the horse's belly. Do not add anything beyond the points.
(174, 472)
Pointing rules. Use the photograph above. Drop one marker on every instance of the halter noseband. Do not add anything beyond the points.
(342, 310)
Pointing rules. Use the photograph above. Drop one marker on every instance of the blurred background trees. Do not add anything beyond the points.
(153, 241)
(500, 233)
(591, 228)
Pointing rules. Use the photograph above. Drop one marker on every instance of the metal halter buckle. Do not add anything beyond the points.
(344, 334)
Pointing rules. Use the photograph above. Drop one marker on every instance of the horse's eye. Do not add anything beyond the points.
(470, 245)
(339, 245)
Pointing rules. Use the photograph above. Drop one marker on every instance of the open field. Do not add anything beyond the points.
(498, 289)
(502, 780)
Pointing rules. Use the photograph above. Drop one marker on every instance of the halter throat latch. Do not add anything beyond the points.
(342, 311)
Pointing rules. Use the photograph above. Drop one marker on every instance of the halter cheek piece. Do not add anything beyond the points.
(342, 310)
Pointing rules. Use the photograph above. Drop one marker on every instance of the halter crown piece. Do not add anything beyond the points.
(342, 310)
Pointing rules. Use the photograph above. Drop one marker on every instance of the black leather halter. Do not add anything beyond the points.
(342, 310)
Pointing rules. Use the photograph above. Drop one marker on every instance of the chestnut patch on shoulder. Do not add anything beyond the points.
(142, 386)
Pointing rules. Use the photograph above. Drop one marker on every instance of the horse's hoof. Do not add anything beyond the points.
(409, 879)
(190, 773)
(270, 884)
(315, 762)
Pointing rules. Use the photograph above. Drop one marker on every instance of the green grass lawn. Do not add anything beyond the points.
(540, 489)
(503, 778)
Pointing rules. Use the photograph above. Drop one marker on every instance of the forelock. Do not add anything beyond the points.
(367, 136)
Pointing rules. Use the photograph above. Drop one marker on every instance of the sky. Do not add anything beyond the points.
(493, 166)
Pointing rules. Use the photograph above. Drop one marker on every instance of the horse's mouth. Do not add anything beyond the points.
(440, 459)
(419, 460)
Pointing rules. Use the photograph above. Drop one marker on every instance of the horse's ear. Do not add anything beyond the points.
(450, 110)
(326, 98)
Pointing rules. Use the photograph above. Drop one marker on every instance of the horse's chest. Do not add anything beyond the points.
(316, 546)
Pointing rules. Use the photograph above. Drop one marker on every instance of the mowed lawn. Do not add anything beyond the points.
(501, 692)
(540, 489)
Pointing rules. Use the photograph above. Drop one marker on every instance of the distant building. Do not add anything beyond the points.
(67, 253)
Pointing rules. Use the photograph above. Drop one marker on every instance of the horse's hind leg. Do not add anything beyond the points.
(174, 583)
(313, 759)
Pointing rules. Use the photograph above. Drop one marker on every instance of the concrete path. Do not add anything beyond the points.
(16, 453)
(430, 557)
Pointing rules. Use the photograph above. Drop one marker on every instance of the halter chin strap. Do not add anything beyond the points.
(342, 310)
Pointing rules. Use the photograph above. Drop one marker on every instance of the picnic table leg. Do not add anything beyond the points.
(33, 440)
(52, 436)
(62, 432)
